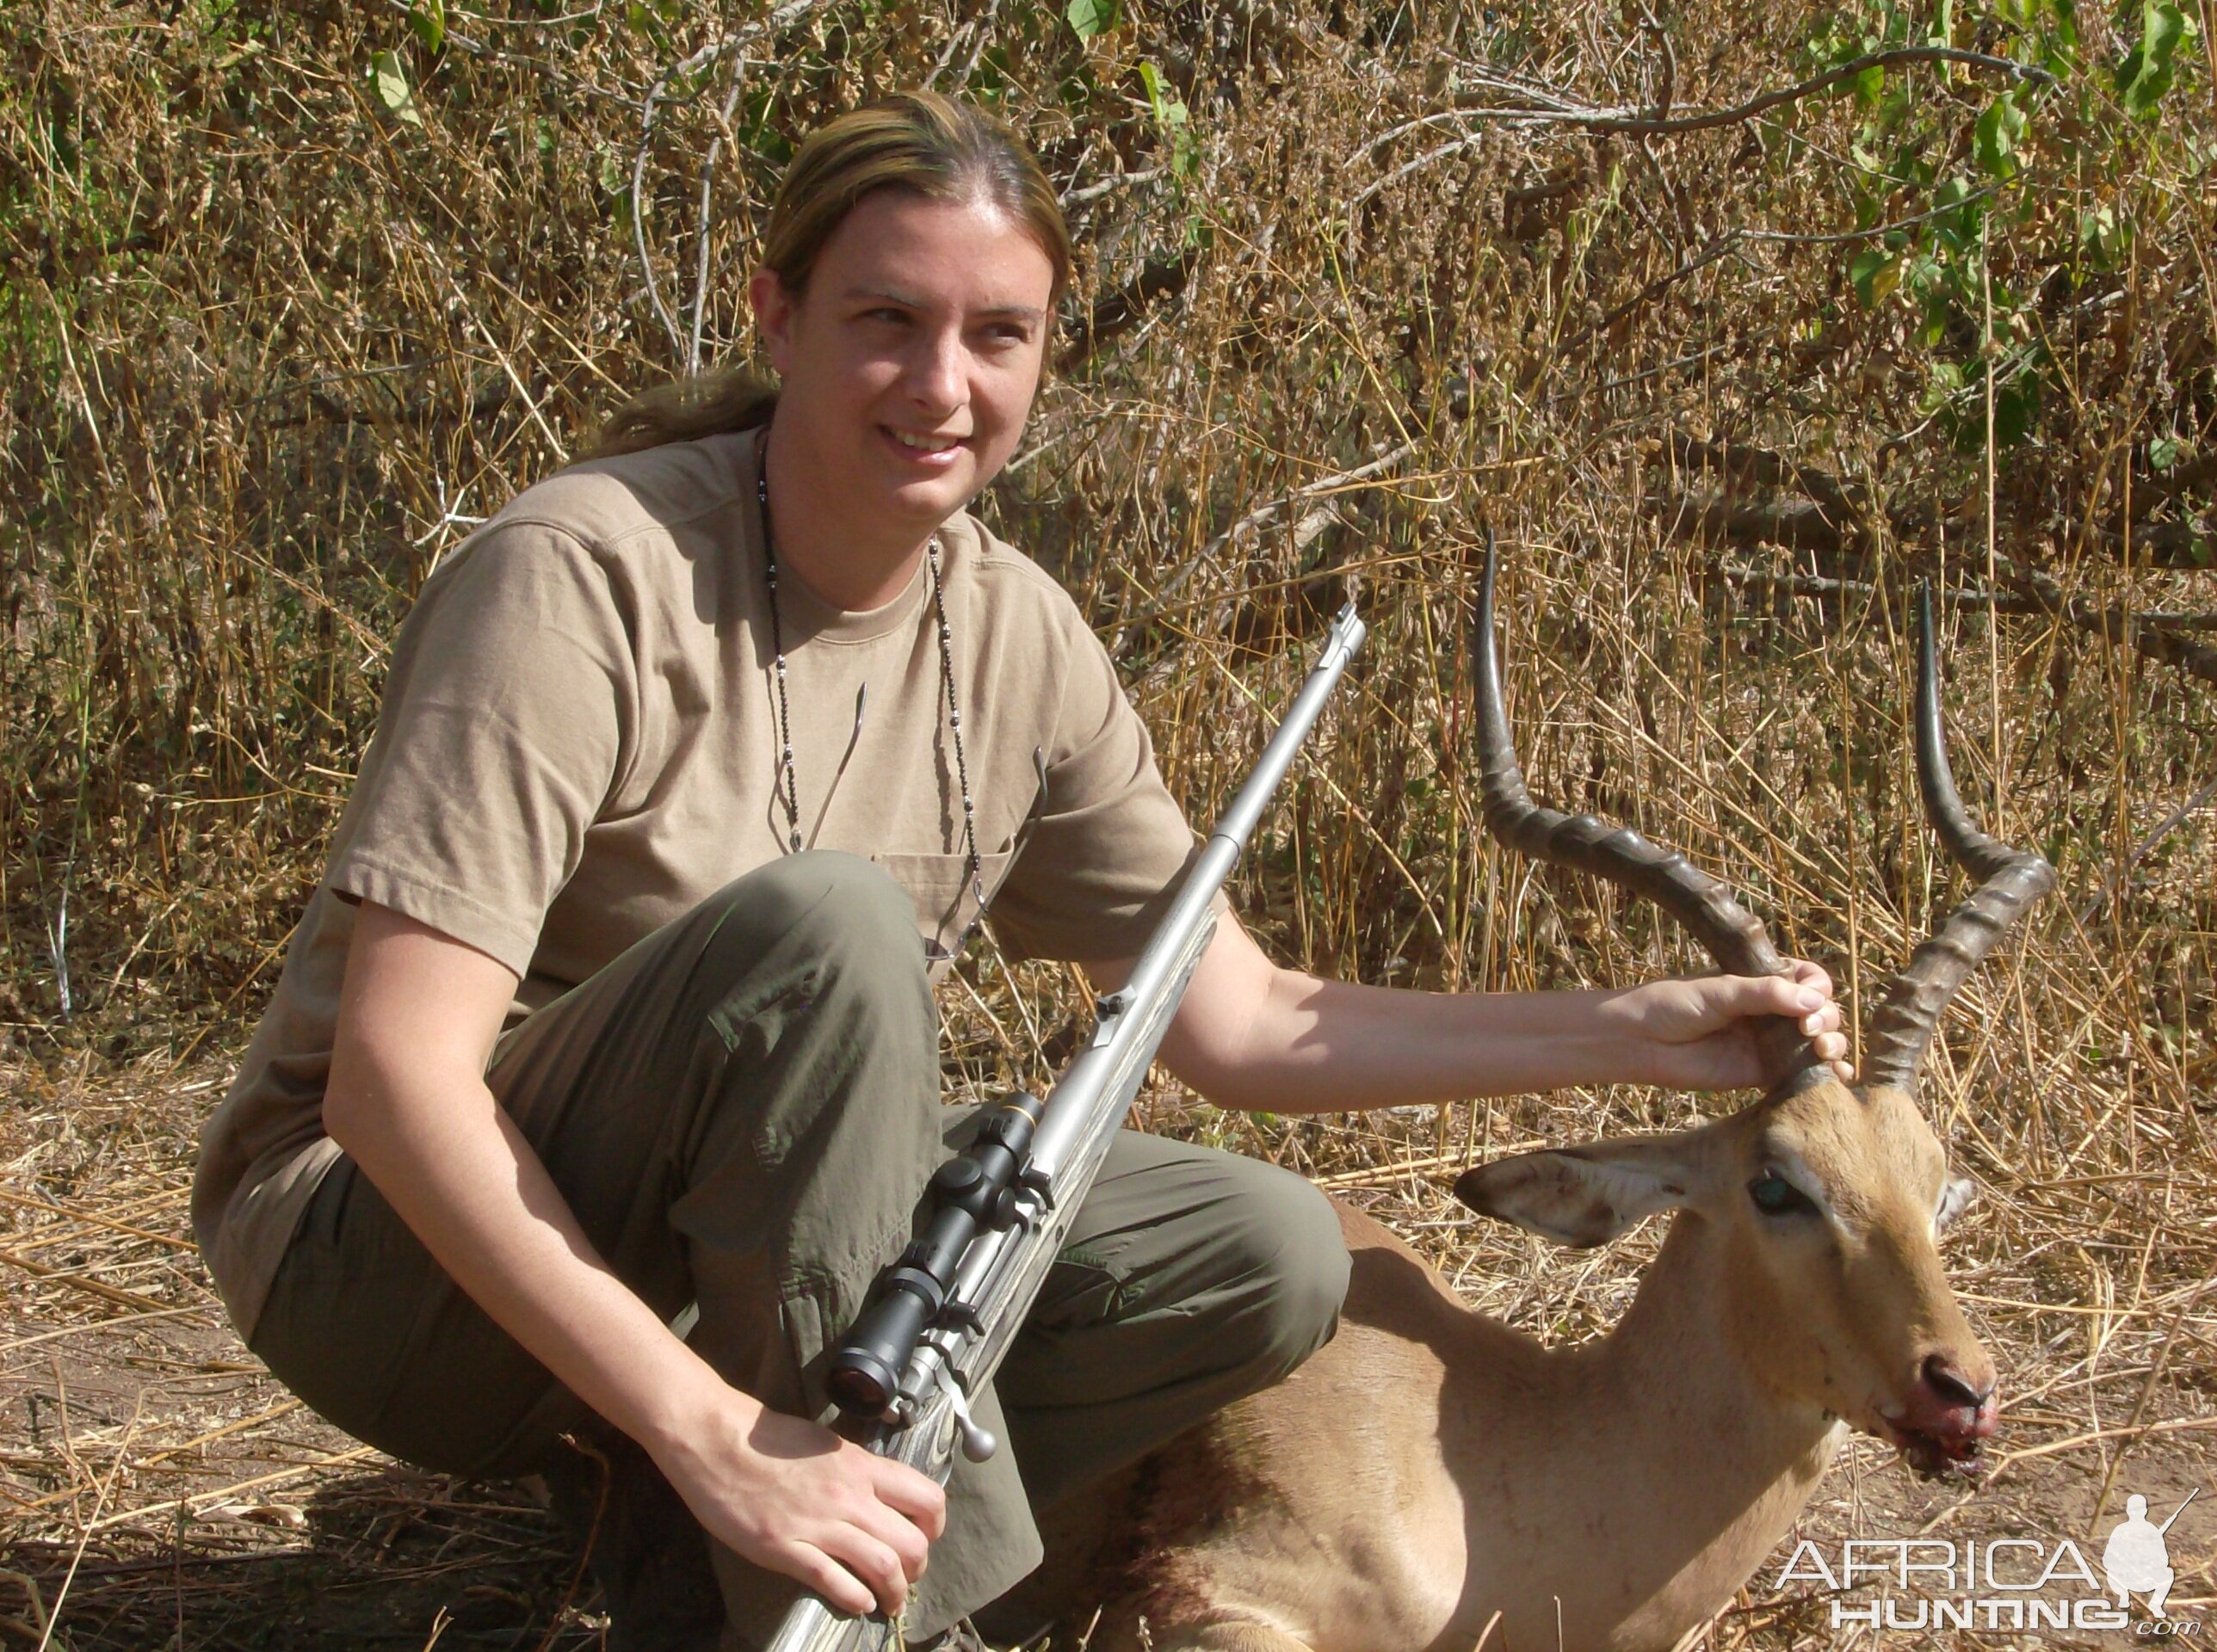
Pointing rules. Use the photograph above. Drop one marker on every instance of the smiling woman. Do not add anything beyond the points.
(911, 364)
(695, 764)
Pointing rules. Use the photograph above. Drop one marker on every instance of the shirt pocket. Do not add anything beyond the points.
(945, 895)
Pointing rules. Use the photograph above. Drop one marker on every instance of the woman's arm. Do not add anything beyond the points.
(408, 1100)
(1252, 1036)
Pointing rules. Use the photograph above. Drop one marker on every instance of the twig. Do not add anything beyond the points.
(1840, 237)
(972, 35)
(1799, 524)
(1849, 71)
(334, 1460)
(84, 1534)
(28, 1203)
(449, 516)
(585, 1448)
(2147, 1392)
(639, 188)
(585, 16)
(700, 246)
(515, 380)
(2162, 829)
(1771, 469)
(1796, 584)
(2162, 636)
(2165, 644)
(91, 1287)
(1654, 289)
(1247, 526)
(59, 1332)
(702, 225)
(783, 17)
(1546, 105)
(57, 946)
(1371, 191)
(1376, 1175)
(1076, 197)
(1731, 241)
(1114, 315)
(2095, 1436)
(282, 1408)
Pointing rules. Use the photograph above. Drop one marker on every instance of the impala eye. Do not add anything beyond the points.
(1776, 1196)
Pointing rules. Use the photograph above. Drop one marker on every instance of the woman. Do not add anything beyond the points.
(612, 1002)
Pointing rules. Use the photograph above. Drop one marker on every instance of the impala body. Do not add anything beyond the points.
(1433, 1480)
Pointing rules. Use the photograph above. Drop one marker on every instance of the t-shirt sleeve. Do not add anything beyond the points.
(1108, 849)
(508, 717)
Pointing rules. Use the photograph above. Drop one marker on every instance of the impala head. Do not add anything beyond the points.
(1823, 1202)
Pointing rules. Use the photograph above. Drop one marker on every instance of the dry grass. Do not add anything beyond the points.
(1394, 278)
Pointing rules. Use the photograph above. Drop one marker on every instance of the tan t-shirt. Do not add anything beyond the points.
(578, 744)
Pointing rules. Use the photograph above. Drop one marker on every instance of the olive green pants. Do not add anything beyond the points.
(742, 1110)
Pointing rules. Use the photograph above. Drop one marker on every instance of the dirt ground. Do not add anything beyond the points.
(162, 1491)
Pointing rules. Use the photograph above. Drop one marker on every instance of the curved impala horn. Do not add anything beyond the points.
(2012, 880)
(1734, 936)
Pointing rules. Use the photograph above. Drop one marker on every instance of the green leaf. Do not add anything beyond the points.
(391, 81)
(2015, 406)
(1995, 138)
(2145, 75)
(1943, 382)
(1875, 273)
(2164, 453)
(428, 19)
(2100, 241)
(1087, 18)
(1169, 110)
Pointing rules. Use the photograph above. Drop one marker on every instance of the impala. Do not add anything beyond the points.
(1433, 1479)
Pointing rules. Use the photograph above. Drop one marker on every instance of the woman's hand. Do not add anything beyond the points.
(794, 1498)
(1699, 1034)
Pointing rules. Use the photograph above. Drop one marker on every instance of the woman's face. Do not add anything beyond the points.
(909, 360)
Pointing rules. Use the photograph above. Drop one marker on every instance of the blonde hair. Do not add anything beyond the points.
(921, 143)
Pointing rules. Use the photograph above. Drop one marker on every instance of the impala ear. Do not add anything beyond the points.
(1956, 1196)
(1585, 1196)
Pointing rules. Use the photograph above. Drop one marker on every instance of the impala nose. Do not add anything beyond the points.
(1948, 1380)
(1952, 1403)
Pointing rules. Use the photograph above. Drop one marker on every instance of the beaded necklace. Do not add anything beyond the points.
(788, 784)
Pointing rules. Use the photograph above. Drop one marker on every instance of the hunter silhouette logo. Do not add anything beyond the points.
(2136, 1559)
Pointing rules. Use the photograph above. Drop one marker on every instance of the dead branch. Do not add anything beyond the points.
(1772, 470)
(782, 17)
(1541, 104)
(1244, 531)
(2167, 644)
(1799, 524)
(1120, 311)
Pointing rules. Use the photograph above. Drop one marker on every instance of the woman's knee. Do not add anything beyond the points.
(826, 894)
(837, 915)
(1296, 1267)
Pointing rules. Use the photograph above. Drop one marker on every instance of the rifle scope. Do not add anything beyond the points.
(973, 1192)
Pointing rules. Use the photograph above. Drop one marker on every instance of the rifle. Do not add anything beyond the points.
(2180, 1510)
(993, 1217)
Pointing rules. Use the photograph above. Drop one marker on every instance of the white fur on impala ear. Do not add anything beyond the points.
(1957, 1195)
(1581, 1196)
